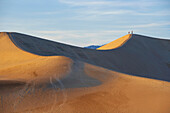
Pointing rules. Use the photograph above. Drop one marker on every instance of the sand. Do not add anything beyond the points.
(128, 75)
(116, 43)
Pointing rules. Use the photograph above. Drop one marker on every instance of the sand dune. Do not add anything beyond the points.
(16, 62)
(140, 55)
(116, 43)
(128, 75)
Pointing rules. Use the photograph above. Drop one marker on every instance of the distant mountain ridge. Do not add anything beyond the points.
(93, 46)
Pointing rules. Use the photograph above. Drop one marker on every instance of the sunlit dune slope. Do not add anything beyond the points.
(18, 64)
(12, 55)
(116, 43)
(80, 92)
(38, 75)
(121, 93)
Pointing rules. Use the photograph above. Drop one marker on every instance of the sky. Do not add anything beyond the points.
(85, 22)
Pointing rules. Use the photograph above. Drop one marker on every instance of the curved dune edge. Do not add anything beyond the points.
(12, 55)
(130, 58)
(116, 43)
(17, 64)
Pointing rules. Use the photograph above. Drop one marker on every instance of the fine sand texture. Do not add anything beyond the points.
(128, 75)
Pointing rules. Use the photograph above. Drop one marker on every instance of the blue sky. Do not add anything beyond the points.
(85, 22)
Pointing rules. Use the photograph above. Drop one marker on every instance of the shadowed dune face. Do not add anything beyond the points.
(136, 55)
(8, 86)
(38, 76)
(18, 64)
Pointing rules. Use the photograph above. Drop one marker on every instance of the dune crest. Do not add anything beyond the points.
(10, 54)
(116, 43)
(18, 64)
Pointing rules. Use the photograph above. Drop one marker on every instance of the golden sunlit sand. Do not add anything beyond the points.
(116, 43)
(128, 75)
